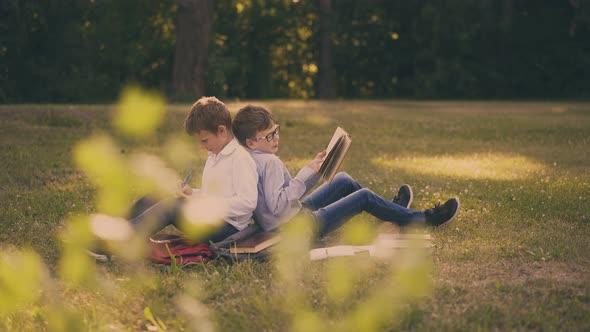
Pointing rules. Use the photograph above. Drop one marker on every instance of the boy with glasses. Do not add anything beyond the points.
(332, 204)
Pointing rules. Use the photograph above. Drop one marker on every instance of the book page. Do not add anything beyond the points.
(345, 250)
(339, 150)
(330, 156)
(336, 150)
(337, 134)
(322, 253)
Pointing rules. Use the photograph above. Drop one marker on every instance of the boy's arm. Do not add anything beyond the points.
(315, 165)
(278, 197)
(311, 182)
(245, 179)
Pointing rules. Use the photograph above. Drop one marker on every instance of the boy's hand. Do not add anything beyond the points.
(184, 191)
(317, 161)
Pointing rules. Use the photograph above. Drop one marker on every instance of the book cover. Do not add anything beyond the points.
(335, 153)
(255, 243)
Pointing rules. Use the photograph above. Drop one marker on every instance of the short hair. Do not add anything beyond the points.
(249, 120)
(207, 113)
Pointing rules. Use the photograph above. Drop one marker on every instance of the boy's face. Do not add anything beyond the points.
(262, 143)
(213, 142)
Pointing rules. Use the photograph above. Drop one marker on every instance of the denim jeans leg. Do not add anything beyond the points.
(167, 212)
(341, 186)
(221, 234)
(158, 216)
(140, 206)
(336, 214)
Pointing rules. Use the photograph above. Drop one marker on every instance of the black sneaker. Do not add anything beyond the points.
(404, 196)
(442, 214)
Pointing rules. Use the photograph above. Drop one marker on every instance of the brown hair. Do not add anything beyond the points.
(250, 120)
(208, 113)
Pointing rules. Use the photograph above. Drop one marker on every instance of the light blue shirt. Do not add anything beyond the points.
(278, 192)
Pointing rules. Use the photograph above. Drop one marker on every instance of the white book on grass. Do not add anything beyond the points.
(382, 246)
(323, 253)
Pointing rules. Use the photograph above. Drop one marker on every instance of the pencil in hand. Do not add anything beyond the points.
(180, 192)
(186, 178)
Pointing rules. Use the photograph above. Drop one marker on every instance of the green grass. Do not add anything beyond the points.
(517, 257)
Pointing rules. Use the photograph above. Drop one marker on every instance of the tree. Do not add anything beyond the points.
(581, 14)
(325, 68)
(497, 14)
(193, 34)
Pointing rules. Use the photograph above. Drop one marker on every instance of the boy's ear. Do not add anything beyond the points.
(249, 144)
(221, 129)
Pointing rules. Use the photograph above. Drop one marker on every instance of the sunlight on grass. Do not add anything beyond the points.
(491, 166)
(318, 119)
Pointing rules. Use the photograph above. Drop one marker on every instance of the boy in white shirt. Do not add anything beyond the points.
(332, 204)
(229, 173)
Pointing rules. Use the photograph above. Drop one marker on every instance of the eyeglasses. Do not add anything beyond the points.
(270, 136)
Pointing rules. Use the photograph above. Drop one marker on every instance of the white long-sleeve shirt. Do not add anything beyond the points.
(231, 174)
(278, 192)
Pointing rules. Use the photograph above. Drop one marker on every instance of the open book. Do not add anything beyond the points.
(383, 246)
(335, 153)
(255, 243)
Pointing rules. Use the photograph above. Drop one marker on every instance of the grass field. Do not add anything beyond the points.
(517, 257)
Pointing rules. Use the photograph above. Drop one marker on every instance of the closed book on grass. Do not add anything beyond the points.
(255, 243)
(335, 153)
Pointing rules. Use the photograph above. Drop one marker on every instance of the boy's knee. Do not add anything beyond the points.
(343, 176)
(365, 193)
(368, 196)
(346, 180)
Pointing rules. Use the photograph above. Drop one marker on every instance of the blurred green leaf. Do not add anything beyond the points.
(138, 112)
(21, 275)
(76, 267)
(99, 157)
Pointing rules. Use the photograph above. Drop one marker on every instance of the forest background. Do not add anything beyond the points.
(85, 51)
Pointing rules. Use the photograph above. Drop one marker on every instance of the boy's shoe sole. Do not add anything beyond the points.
(411, 195)
(454, 215)
(98, 257)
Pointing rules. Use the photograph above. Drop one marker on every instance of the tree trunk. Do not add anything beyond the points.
(325, 68)
(506, 21)
(487, 9)
(193, 33)
(581, 14)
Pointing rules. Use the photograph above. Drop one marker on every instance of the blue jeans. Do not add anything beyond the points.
(152, 217)
(334, 203)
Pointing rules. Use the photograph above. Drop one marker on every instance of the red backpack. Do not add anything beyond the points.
(165, 247)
